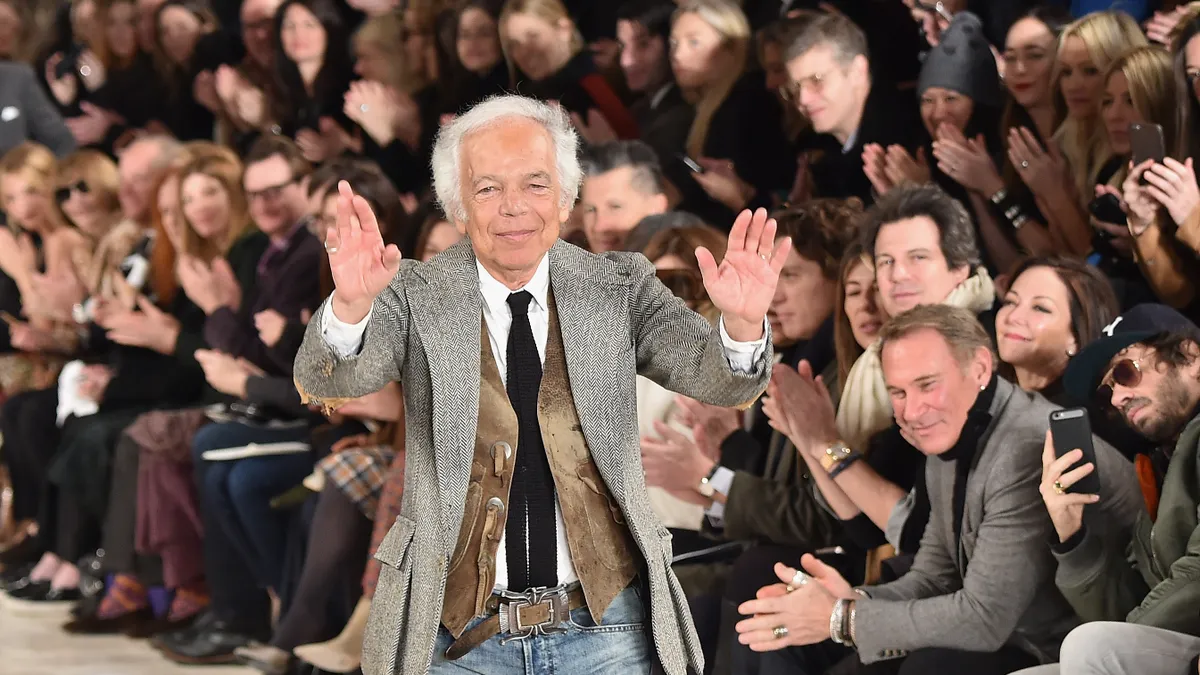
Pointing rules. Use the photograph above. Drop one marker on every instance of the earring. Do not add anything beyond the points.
(983, 387)
(1070, 353)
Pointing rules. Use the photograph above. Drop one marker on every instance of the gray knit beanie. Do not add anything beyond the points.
(963, 62)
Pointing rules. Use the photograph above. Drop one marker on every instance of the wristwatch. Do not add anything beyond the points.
(835, 454)
(706, 489)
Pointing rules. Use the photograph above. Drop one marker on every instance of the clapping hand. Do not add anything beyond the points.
(1066, 508)
(223, 372)
(742, 286)
(211, 287)
(799, 406)
(966, 161)
(674, 462)
(596, 130)
(329, 141)
(1043, 170)
(270, 325)
(150, 327)
(361, 264)
(710, 424)
(1160, 27)
(1140, 204)
(384, 113)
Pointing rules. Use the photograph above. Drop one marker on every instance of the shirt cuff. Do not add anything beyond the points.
(743, 355)
(344, 338)
(721, 481)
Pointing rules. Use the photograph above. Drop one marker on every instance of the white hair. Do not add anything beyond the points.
(447, 148)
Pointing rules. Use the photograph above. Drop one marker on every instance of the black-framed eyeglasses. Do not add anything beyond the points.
(63, 193)
(1126, 372)
(268, 193)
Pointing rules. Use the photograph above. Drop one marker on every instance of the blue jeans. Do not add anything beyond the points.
(620, 645)
(238, 493)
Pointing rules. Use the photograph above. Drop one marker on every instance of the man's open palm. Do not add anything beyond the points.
(743, 285)
(362, 265)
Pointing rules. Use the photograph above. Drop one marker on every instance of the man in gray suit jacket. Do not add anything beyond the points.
(26, 113)
(980, 597)
(503, 561)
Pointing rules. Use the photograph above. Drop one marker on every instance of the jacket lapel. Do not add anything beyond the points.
(447, 315)
(593, 348)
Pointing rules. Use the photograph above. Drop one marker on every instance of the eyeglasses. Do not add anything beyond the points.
(685, 284)
(1126, 372)
(791, 91)
(269, 193)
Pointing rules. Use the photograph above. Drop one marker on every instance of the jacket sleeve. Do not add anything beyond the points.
(46, 125)
(1009, 566)
(325, 378)
(277, 392)
(787, 514)
(1098, 578)
(682, 351)
(1172, 603)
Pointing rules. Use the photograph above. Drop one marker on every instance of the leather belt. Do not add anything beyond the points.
(518, 616)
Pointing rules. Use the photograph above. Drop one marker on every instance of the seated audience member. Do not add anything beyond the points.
(736, 135)
(236, 491)
(1053, 308)
(749, 482)
(187, 42)
(622, 184)
(551, 62)
(661, 113)
(924, 249)
(1147, 366)
(979, 597)
(651, 225)
(33, 115)
(829, 69)
(1183, 204)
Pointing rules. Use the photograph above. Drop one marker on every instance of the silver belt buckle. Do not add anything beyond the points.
(512, 604)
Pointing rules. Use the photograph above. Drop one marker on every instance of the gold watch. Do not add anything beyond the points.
(834, 455)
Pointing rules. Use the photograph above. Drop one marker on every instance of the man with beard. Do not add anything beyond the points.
(1148, 365)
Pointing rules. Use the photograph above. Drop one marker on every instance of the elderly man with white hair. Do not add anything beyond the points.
(525, 541)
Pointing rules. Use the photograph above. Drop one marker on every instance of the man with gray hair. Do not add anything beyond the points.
(622, 184)
(980, 596)
(526, 538)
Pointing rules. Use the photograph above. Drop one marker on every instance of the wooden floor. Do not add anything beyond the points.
(31, 643)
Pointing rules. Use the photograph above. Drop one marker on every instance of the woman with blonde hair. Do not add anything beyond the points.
(548, 60)
(737, 133)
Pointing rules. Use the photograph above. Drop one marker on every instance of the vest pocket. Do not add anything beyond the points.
(466, 531)
(393, 549)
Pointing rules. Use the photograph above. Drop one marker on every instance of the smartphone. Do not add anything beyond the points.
(691, 164)
(1107, 209)
(1072, 430)
(936, 8)
(1146, 141)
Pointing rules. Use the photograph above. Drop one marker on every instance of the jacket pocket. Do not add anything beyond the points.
(393, 549)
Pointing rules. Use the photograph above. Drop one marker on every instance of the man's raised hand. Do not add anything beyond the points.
(362, 265)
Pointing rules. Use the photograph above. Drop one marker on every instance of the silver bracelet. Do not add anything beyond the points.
(836, 622)
(853, 633)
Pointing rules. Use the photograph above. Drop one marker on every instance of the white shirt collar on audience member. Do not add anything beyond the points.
(495, 294)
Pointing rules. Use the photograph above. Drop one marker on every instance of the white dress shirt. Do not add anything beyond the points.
(346, 340)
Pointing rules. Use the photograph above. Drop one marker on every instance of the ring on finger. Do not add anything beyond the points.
(779, 632)
(1024, 164)
(1060, 488)
(798, 579)
(330, 249)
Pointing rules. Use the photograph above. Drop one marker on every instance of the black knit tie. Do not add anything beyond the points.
(532, 539)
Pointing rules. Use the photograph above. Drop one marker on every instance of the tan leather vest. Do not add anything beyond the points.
(604, 554)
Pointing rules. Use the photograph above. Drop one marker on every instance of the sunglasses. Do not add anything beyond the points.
(685, 284)
(1126, 372)
(63, 193)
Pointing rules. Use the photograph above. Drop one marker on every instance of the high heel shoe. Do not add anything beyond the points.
(343, 653)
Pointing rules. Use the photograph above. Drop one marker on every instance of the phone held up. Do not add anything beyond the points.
(1146, 142)
(691, 164)
(1072, 430)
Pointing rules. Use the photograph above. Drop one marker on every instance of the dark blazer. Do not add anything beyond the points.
(888, 119)
(28, 114)
(288, 284)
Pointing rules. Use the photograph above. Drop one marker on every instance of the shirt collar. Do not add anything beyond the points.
(657, 98)
(495, 293)
(850, 142)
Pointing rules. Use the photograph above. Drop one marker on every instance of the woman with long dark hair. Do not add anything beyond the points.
(312, 73)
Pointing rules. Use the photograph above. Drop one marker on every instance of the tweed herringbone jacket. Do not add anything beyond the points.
(617, 321)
